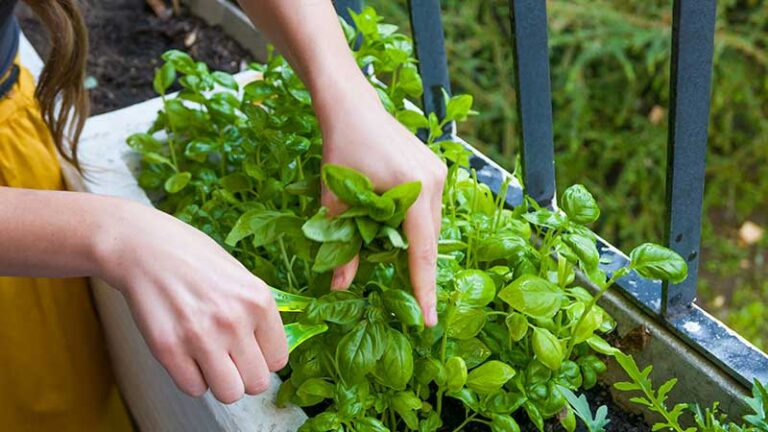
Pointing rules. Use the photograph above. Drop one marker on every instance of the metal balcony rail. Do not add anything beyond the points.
(693, 30)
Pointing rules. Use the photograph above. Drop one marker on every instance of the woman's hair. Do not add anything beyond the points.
(63, 98)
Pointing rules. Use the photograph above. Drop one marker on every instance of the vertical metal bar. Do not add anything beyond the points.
(343, 7)
(534, 98)
(693, 32)
(429, 42)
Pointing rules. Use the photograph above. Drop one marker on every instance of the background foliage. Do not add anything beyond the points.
(610, 80)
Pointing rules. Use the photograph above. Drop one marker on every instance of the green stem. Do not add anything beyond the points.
(287, 263)
(466, 421)
(171, 137)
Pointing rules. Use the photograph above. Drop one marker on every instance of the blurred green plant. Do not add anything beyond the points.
(610, 81)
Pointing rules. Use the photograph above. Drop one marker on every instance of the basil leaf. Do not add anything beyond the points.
(322, 228)
(339, 307)
(395, 368)
(177, 182)
(164, 78)
(533, 296)
(333, 254)
(475, 288)
(404, 306)
(585, 249)
(456, 371)
(657, 262)
(347, 184)
(489, 377)
(465, 322)
(367, 228)
(359, 350)
(580, 205)
(548, 348)
(298, 333)
(287, 302)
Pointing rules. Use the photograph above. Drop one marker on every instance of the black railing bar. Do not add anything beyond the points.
(429, 44)
(534, 98)
(693, 31)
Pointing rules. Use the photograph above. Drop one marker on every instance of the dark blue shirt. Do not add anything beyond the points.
(9, 35)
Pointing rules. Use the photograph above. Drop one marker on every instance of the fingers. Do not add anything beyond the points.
(248, 358)
(222, 375)
(345, 274)
(422, 257)
(183, 370)
(270, 336)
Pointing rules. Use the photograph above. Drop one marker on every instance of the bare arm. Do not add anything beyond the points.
(308, 33)
(204, 316)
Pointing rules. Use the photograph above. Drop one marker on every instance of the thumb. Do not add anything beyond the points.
(342, 275)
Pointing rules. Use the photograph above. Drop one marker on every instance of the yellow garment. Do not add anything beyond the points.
(54, 369)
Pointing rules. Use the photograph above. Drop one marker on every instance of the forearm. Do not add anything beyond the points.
(52, 234)
(308, 34)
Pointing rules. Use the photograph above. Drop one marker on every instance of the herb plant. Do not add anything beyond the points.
(708, 420)
(515, 326)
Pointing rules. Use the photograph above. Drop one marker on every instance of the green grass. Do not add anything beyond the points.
(610, 80)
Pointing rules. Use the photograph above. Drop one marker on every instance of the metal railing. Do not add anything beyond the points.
(693, 30)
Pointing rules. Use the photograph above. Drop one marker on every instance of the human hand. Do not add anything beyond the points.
(206, 318)
(359, 133)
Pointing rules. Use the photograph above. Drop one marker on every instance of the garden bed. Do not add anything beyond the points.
(126, 41)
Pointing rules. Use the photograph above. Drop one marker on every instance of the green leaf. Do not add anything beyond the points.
(601, 345)
(473, 351)
(548, 348)
(580, 205)
(225, 80)
(456, 371)
(265, 225)
(403, 196)
(546, 218)
(517, 324)
(199, 149)
(404, 306)
(489, 377)
(164, 78)
(334, 254)
(370, 424)
(475, 288)
(321, 228)
(180, 60)
(347, 184)
(316, 388)
(533, 296)
(298, 333)
(584, 247)
(395, 238)
(503, 423)
(503, 246)
(367, 227)
(144, 143)
(395, 368)
(339, 307)
(177, 182)
(287, 302)
(412, 120)
(465, 322)
(236, 183)
(652, 261)
(459, 107)
(405, 403)
(360, 349)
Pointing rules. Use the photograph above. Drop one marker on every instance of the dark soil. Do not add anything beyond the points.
(126, 41)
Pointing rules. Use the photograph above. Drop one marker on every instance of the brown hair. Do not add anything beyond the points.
(63, 98)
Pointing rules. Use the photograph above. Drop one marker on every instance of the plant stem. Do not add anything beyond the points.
(287, 262)
(465, 422)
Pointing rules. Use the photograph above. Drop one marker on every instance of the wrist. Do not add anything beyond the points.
(340, 96)
(109, 241)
